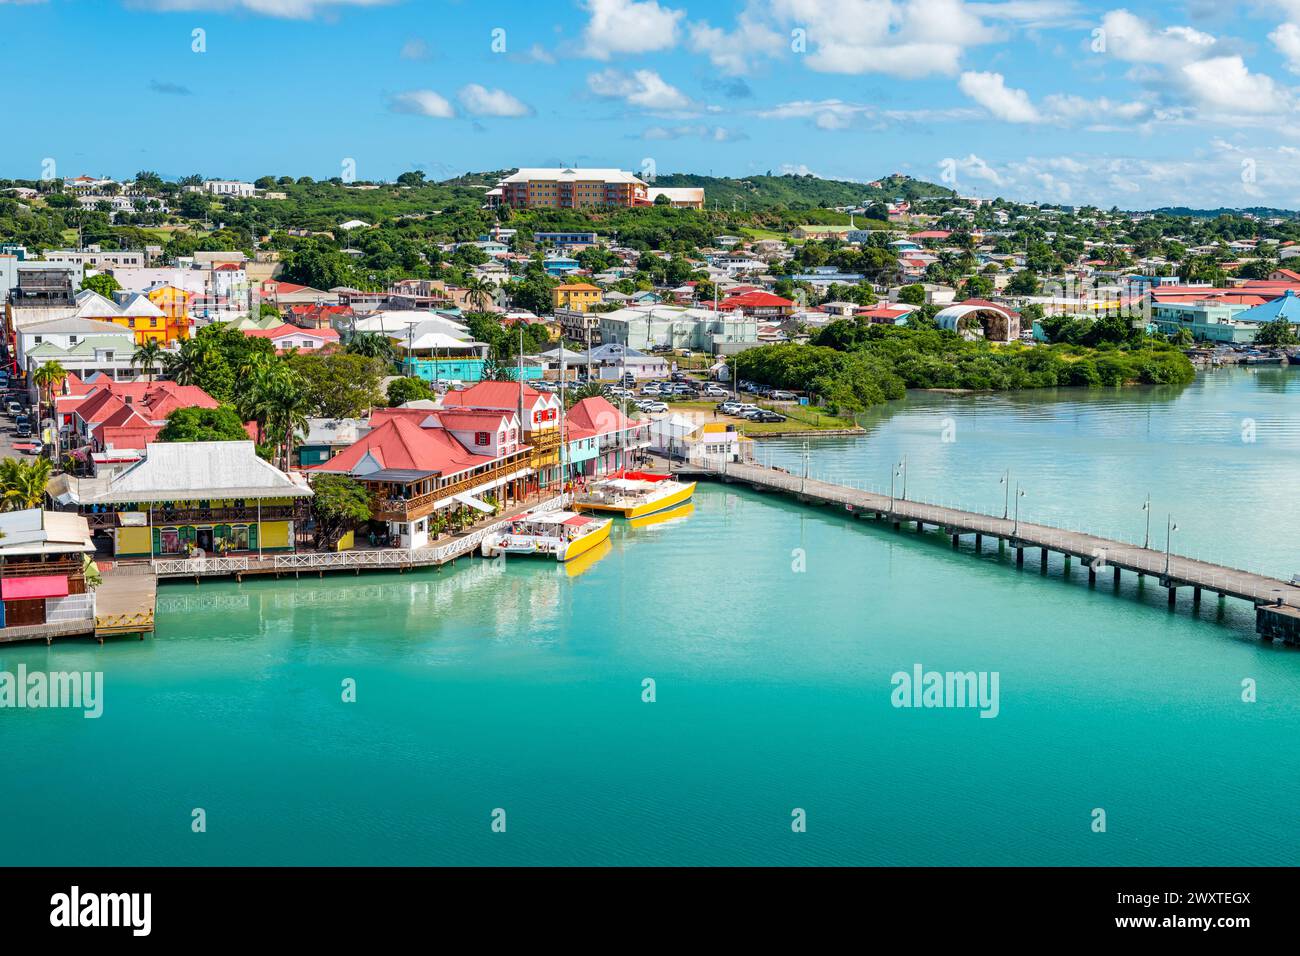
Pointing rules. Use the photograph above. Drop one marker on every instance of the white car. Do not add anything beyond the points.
(652, 407)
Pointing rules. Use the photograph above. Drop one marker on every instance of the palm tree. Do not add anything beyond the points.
(182, 366)
(148, 355)
(588, 390)
(372, 345)
(479, 292)
(47, 377)
(22, 483)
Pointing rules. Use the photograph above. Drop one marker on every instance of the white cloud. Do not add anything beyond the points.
(1287, 40)
(423, 103)
(1135, 40)
(972, 167)
(713, 134)
(286, 9)
(628, 26)
(478, 100)
(645, 89)
(990, 91)
(735, 53)
(1224, 83)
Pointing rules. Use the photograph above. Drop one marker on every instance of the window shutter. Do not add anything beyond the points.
(157, 541)
(252, 537)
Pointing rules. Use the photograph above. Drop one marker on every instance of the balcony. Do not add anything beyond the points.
(411, 509)
(107, 520)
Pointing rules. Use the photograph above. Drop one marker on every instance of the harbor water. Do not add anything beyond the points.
(769, 632)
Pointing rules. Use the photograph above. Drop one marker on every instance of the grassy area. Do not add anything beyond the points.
(799, 418)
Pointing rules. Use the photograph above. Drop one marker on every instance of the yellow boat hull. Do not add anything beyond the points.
(678, 497)
(587, 542)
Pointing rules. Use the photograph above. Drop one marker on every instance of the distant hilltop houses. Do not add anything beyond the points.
(572, 188)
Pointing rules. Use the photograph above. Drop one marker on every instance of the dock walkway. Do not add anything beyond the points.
(1277, 601)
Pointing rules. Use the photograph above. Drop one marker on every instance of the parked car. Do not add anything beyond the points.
(715, 391)
(778, 395)
(14, 409)
(23, 429)
(652, 407)
(35, 450)
(728, 408)
(763, 415)
(619, 392)
(651, 389)
(743, 408)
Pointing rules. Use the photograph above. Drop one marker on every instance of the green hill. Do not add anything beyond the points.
(801, 192)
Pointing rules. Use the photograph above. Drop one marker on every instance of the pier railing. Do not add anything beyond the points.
(1097, 551)
(377, 558)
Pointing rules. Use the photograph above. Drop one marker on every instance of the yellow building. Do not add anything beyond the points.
(175, 305)
(217, 497)
(578, 296)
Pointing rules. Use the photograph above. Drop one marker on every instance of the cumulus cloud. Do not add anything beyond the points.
(628, 26)
(1224, 83)
(478, 100)
(1287, 40)
(1134, 40)
(423, 103)
(990, 91)
(644, 89)
(736, 52)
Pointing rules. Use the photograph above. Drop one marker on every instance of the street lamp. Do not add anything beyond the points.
(1005, 480)
(1146, 506)
(1015, 529)
(904, 464)
(1170, 528)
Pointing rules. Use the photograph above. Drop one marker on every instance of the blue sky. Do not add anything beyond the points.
(1141, 105)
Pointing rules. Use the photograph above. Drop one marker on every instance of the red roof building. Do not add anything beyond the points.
(758, 304)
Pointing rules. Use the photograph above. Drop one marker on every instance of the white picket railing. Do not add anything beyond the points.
(339, 560)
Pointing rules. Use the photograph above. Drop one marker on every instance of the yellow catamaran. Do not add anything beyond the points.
(634, 494)
(563, 535)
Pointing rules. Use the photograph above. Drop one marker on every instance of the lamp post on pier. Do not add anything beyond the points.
(1170, 528)
(1020, 493)
(1006, 495)
(1146, 506)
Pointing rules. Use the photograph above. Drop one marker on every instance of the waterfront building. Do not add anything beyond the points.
(108, 416)
(429, 352)
(42, 573)
(418, 471)
(568, 188)
(219, 497)
(539, 415)
(601, 439)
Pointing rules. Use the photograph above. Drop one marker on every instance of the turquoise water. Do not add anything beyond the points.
(519, 687)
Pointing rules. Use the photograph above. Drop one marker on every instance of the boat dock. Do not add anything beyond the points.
(319, 562)
(125, 602)
(1277, 602)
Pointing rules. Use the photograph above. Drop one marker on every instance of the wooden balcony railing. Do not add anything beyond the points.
(410, 509)
(103, 521)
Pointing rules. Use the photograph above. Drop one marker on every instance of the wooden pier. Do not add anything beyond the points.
(124, 603)
(319, 562)
(1277, 602)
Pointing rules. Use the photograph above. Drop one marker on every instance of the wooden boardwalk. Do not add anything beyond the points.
(1277, 601)
(124, 604)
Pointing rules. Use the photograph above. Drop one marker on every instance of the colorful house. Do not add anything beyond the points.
(419, 472)
(286, 337)
(578, 296)
(540, 419)
(601, 439)
(219, 497)
(42, 581)
(175, 305)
